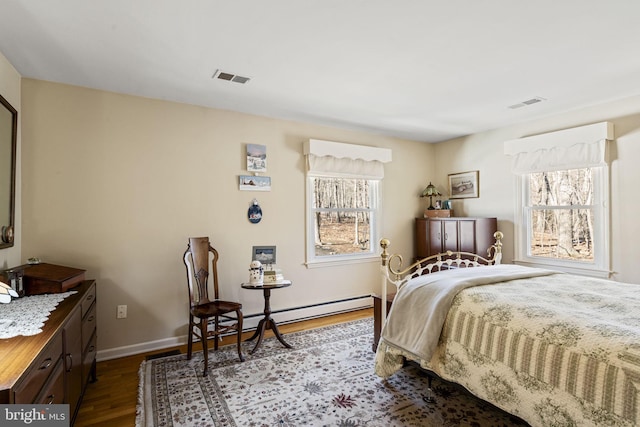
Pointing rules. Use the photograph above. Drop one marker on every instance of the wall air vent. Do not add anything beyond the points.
(527, 102)
(223, 75)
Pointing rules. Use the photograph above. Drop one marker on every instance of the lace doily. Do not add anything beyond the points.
(26, 315)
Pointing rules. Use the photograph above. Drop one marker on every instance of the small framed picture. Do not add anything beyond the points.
(255, 183)
(256, 158)
(463, 185)
(264, 254)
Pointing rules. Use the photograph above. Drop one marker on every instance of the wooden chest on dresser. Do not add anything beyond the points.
(55, 365)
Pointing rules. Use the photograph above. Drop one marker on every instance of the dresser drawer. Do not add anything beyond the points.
(88, 326)
(42, 369)
(53, 392)
(89, 358)
(88, 300)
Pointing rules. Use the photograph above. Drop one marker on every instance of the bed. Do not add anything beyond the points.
(554, 349)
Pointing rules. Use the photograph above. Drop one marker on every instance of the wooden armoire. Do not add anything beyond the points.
(465, 234)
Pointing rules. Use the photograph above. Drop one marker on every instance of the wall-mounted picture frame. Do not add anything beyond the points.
(255, 183)
(464, 185)
(264, 254)
(256, 158)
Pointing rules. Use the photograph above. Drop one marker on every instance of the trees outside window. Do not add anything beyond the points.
(561, 214)
(342, 216)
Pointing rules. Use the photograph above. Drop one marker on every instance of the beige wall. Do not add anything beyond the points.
(484, 152)
(116, 184)
(10, 90)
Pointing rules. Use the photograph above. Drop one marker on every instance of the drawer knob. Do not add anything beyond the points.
(45, 363)
(70, 358)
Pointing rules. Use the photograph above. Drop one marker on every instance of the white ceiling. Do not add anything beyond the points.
(418, 69)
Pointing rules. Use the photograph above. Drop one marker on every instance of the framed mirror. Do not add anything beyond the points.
(8, 147)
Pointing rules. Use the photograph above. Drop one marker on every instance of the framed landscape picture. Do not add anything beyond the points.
(264, 254)
(255, 183)
(463, 185)
(256, 158)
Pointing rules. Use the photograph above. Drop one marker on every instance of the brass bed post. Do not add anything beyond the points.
(497, 248)
(384, 243)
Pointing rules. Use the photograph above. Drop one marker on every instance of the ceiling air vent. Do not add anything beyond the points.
(527, 102)
(223, 75)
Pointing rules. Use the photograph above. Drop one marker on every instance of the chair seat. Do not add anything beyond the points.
(215, 308)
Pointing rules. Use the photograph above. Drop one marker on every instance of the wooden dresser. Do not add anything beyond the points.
(55, 365)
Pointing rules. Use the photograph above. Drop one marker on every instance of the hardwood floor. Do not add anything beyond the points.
(111, 401)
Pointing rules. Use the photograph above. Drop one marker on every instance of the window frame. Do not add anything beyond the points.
(600, 266)
(375, 210)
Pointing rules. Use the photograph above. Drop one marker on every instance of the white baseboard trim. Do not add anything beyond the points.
(250, 323)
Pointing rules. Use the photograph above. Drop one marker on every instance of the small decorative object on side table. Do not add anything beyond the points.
(267, 322)
(256, 273)
(273, 274)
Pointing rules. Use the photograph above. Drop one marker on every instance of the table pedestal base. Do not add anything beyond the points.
(266, 323)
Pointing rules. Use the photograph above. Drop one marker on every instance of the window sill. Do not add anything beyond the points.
(591, 272)
(339, 262)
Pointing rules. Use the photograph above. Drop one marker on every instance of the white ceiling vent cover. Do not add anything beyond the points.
(223, 75)
(527, 102)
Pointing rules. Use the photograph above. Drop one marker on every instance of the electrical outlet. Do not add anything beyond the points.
(122, 312)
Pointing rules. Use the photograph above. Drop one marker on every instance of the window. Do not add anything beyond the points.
(564, 219)
(343, 201)
(343, 216)
(562, 213)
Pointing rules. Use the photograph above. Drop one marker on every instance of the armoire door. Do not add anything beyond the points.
(467, 236)
(436, 236)
(450, 235)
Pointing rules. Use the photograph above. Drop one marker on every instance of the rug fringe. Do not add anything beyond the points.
(140, 406)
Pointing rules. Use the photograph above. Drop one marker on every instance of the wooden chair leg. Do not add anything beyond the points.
(239, 317)
(190, 339)
(205, 347)
(216, 326)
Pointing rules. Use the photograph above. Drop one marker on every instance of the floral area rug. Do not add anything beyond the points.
(327, 379)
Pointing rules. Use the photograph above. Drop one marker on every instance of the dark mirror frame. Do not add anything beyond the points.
(7, 231)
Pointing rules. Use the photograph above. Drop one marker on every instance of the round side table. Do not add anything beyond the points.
(267, 322)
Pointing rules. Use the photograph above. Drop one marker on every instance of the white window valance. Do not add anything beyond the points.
(327, 158)
(574, 148)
